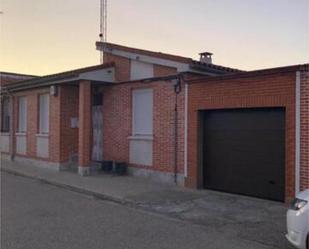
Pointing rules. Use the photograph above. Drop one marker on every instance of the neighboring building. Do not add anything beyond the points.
(171, 119)
(248, 133)
(7, 78)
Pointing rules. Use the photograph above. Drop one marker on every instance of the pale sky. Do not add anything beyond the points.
(48, 36)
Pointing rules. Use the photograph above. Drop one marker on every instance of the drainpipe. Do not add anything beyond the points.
(186, 132)
(177, 90)
(297, 133)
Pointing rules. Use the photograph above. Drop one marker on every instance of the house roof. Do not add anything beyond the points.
(192, 63)
(10, 78)
(52, 78)
(253, 73)
(144, 52)
(218, 68)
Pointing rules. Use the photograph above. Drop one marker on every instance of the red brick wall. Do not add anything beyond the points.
(164, 127)
(122, 66)
(68, 135)
(63, 143)
(54, 127)
(32, 123)
(272, 90)
(304, 137)
(117, 124)
(159, 70)
(117, 110)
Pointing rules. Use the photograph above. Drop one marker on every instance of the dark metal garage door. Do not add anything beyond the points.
(244, 151)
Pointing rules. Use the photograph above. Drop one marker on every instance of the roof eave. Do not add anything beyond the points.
(210, 70)
(109, 47)
(50, 83)
(25, 86)
(54, 80)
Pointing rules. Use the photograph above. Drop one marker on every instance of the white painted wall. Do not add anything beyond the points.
(141, 70)
(181, 67)
(141, 151)
(21, 144)
(5, 142)
(105, 74)
(42, 146)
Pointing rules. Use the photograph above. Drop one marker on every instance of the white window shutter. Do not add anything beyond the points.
(143, 112)
(44, 113)
(22, 114)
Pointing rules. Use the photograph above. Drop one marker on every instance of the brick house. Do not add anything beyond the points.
(165, 116)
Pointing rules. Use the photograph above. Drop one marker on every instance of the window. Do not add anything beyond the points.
(5, 114)
(142, 112)
(44, 114)
(22, 114)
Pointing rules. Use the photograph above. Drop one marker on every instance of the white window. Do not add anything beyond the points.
(142, 112)
(22, 114)
(141, 70)
(44, 113)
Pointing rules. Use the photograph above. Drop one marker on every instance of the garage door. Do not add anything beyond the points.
(244, 151)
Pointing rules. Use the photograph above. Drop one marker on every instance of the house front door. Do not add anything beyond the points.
(97, 133)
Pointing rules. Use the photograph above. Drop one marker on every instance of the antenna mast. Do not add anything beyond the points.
(103, 25)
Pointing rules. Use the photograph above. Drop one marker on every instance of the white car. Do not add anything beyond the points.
(298, 221)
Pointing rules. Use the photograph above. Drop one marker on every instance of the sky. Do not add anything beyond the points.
(42, 37)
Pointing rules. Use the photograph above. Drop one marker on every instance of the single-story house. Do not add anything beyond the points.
(170, 118)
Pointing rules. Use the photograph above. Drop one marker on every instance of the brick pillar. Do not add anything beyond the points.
(84, 130)
(304, 133)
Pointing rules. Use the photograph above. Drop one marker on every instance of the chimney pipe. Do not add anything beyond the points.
(205, 57)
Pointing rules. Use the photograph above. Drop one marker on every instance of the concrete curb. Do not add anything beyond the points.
(97, 195)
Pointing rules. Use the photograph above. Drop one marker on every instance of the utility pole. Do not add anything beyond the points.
(103, 25)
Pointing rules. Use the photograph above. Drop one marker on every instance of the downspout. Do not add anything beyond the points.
(177, 90)
(297, 133)
(186, 132)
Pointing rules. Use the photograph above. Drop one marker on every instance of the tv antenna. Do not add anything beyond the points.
(103, 25)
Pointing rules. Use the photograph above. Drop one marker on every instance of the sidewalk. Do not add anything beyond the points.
(120, 189)
(105, 186)
(129, 189)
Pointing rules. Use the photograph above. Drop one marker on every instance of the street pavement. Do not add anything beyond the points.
(39, 215)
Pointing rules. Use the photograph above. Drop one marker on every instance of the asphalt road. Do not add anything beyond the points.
(38, 215)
